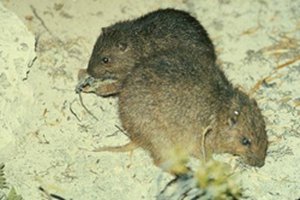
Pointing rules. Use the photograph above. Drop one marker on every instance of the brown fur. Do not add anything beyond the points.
(177, 98)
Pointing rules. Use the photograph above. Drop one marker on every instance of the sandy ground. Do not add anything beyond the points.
(42, 124)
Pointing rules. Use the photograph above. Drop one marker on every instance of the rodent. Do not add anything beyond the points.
(175, 97)
(123, 43)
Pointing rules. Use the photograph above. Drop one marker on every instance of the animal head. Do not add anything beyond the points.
(112, 56)
(245, 133)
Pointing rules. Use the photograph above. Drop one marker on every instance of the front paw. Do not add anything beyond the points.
(88, 84)
(85, 82)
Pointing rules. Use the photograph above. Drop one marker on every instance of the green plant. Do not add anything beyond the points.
(12, 194)
(217, 182)
(212, 180)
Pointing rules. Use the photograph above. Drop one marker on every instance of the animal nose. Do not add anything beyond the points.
(90, 71)
(260, 163)
(255, 162)
(92, 68)
(94, 72)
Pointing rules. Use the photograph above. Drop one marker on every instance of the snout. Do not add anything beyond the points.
(254, 161)
(94, 68)
(101, 74)
(82, 74)
(92, 72)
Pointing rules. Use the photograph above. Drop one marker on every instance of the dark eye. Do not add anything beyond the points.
(245, 141)
(105, 60)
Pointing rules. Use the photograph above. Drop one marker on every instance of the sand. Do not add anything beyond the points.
(43, 127)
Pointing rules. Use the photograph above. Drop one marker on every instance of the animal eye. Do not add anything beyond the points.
(105, 60)
(245, 141)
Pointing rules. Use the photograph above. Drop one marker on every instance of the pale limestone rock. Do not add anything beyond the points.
(16, 57)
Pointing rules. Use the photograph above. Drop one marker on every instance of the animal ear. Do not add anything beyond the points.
(232, 121)
(104, 30)
(122, 46)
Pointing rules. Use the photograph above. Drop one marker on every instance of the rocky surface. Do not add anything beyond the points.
(43, 125)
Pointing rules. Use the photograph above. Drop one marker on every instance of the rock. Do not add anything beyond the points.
(17, 55)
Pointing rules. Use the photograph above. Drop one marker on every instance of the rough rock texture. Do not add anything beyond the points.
(16, 58)
(43, 125)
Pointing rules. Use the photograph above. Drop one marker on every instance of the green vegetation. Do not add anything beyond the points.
(12, 194)
(212, 180)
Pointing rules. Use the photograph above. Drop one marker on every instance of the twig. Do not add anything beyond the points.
(87, 110)
(120, 129)
(29, 66)
(279, 67)
(168, 185)
(55, 196)
(288, 63)
(36, 43)
(40, 19)
(50, 196)
(45, 193)
(72, 111)
(43, 24)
